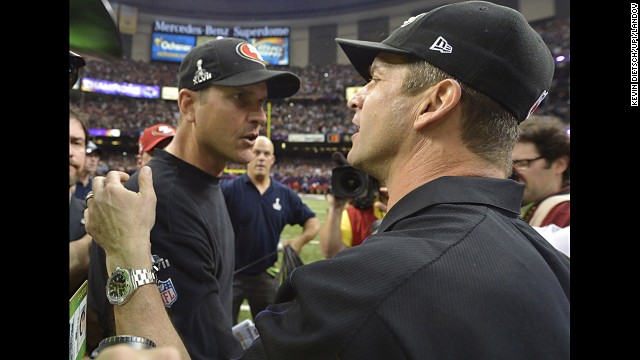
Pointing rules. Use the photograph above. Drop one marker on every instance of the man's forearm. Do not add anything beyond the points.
(144, 315)
(330, 235)
(309, 231)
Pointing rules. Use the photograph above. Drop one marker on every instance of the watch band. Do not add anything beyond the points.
(136, 342)
(143, 276)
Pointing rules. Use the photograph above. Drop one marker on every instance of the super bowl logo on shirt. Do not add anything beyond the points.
(167, 292)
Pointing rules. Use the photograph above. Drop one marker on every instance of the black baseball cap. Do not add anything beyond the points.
(76, 60)
(233, 62)
(491, 48)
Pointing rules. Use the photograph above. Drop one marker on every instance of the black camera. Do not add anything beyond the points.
(348, 182)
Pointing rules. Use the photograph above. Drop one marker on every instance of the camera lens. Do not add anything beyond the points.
(351, 182)
(347, 182)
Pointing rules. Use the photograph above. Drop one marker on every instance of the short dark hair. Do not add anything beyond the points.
(488, 129)
(548, 133)
(81, 119)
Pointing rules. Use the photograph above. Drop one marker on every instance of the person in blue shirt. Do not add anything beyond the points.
(260, 207)
(453, 272)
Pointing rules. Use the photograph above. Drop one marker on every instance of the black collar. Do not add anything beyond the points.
(501, 193)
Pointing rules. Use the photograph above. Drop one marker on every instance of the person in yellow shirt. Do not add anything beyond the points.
(350, 222)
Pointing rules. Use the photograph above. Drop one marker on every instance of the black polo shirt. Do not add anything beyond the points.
(193, 234)
(452, 273)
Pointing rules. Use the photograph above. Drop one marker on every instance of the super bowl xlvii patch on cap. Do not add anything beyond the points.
(233, 62)
(489, 47)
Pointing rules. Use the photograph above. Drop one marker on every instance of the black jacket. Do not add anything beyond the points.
(452, 273)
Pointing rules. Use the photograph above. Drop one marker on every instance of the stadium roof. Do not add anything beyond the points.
(249, 10)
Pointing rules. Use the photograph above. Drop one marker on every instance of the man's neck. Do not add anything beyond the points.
(260, 182)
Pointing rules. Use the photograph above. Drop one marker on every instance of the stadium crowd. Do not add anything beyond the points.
(318, 108)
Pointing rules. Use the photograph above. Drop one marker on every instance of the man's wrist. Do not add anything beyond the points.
(132, 259)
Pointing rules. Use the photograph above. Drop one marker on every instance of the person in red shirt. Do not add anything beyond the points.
(541, 161)
(347, 227)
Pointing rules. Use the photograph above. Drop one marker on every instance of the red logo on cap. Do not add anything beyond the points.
(250, 52)
(163, 130)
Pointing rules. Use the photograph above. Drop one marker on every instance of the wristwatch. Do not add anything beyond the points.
(123, 282)
(136, 342)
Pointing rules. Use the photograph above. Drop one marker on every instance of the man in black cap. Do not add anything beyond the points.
(452, 272)
(223, 88)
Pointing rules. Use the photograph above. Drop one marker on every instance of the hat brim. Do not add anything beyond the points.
(280, 84)
(153, 143)
(94, 151)
(361, 53)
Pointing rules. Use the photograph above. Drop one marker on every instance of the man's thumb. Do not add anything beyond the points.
(145, 182)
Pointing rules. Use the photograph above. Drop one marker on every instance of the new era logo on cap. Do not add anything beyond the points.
(441, 45)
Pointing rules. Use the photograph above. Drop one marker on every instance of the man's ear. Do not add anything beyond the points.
(186, 99)
(439, 100)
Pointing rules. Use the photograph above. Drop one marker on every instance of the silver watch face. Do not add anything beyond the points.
(119, 286)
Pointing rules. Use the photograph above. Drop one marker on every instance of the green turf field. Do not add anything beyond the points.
(310, 252)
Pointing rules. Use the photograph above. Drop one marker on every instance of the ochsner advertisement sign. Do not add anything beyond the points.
(172, 41)
(274, 50)
(169, 47)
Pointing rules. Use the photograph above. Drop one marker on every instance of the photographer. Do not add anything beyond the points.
(349, 226)
(452, 272)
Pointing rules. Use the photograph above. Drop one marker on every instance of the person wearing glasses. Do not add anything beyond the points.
(452, 272)
(541, 161)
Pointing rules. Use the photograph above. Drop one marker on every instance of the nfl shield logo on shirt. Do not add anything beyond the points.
(167, 292)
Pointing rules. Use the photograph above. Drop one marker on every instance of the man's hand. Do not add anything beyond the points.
(120, 220)
(383, 198)
(337, 203)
